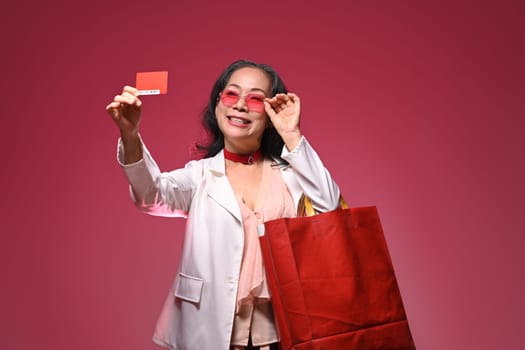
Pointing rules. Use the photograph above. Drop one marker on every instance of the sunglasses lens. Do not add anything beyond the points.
(255, 102)
(229, 98)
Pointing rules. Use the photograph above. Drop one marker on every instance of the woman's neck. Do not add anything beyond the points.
(249, 158)
(242, 149)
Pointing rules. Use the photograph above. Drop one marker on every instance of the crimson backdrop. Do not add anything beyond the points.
(415, 108)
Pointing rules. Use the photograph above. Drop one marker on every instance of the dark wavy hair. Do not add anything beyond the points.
(271, 143)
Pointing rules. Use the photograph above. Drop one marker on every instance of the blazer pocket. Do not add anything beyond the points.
(189, 288)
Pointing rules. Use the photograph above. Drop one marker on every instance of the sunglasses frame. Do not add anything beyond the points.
(254, 101)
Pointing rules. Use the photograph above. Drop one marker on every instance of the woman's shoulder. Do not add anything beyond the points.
(204, 164)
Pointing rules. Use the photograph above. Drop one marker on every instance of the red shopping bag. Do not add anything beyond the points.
(332, 282)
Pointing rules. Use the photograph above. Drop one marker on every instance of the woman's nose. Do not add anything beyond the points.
(240, 105)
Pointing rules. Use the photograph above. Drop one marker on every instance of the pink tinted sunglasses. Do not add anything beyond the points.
(255, 102)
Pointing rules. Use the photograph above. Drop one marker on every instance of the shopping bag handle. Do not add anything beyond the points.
(306, 208)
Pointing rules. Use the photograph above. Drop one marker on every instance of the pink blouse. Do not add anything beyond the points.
(254, 316)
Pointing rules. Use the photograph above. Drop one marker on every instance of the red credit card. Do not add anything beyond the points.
(152, 83)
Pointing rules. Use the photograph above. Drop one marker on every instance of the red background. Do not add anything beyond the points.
(414, 107)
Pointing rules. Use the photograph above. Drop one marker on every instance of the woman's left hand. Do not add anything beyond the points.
(284, 111)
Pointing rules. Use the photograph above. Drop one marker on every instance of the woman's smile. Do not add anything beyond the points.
(239, 121)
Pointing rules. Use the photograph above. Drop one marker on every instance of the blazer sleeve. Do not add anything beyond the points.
(155, 192)
(313, 178)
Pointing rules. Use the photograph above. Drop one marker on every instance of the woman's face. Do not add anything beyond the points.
(240, 109)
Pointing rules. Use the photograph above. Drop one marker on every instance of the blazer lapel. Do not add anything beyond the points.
(219, 187)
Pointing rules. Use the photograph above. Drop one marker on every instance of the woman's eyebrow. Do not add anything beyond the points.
(252, 89)
(257, 89)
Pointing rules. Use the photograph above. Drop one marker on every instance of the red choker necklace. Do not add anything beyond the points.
(242, 158)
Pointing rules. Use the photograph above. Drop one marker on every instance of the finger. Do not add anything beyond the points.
(128, 95)
(128, 99)
(297, 102)
(133, 99)
(113, 110)
(113, 105)
(272, 102)
(269, 110)
(279, 97)
(285, 101)
(131, 90)
(294, 97)
(289, 100)
(123, 100)
(294, 100)
(280, 100)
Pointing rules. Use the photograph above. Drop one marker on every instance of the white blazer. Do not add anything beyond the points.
(199, 311)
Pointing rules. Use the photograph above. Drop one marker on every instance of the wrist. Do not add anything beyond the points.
(132, 147)
(129, 136)
(291, 140)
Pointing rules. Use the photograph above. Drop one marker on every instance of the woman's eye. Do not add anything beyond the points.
(230, 93)
(256, 98)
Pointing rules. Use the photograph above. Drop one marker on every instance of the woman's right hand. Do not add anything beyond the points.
(125, 110)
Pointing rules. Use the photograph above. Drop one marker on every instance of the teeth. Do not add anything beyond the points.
(238, 120)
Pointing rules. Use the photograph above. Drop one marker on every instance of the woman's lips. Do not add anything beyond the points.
(239, 121)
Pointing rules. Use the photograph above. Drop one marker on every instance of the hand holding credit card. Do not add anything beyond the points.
(152, 83)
